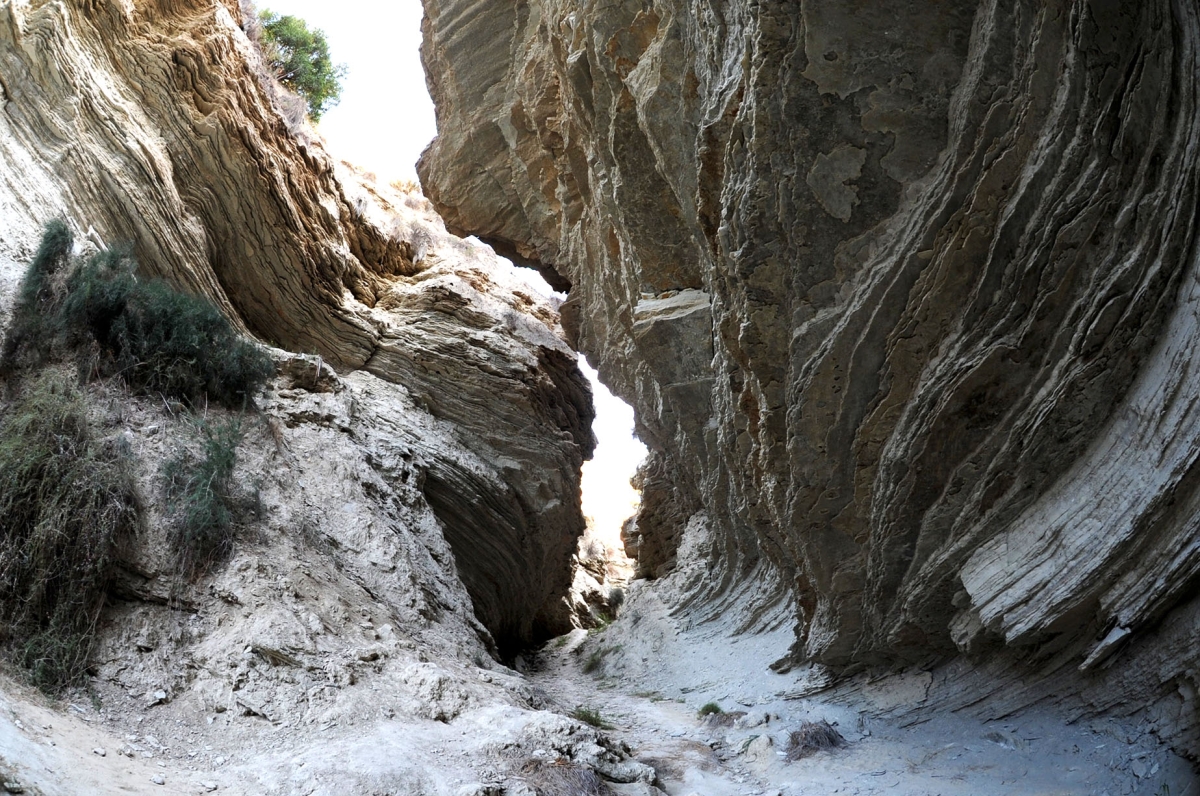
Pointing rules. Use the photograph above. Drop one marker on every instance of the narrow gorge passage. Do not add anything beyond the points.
(906, 300)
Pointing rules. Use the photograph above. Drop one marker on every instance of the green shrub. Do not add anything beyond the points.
(300, 57)
(159, 340)
(66, 501)
(594, 661)
(710, 709)
(590, 716)
(201, 497)
(30, 329)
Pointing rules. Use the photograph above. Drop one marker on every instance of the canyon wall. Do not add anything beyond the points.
(156, 123)
(905, 297)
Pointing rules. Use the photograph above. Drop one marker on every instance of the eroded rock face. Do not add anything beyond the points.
(148, 123)
(904, 298)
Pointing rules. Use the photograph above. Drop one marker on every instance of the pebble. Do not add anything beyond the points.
(99, 751)
(158, 780)
(208, 785)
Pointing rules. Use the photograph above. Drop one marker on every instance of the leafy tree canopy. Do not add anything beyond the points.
(300, 57)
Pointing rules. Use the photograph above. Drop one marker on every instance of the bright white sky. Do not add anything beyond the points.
(385, 117)
(384, 121)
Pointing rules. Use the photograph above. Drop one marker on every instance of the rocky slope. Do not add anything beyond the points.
(905, 299)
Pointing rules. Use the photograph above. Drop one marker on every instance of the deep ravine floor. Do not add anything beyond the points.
(647, 690)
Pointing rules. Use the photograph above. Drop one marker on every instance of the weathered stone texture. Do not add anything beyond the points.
(903, 295)
(149, 123)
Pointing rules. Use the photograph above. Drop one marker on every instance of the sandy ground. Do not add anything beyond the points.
(50, 748)
(651, 693)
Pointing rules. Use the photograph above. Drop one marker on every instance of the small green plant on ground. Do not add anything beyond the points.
(710, 709)
(202, 497)
(300, 57)
(590, 716)
(595, 661)
(67, 500)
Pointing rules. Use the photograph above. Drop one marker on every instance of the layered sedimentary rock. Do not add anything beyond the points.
(904, 297)
(152, 124)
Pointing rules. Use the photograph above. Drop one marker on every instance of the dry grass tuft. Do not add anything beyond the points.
(563, 778)
(812, 737)
(405, 185)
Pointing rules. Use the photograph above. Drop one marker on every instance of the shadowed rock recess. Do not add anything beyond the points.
(148, 123)
(906, 298)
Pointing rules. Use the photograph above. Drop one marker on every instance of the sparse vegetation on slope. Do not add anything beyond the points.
(203, 497)
(67, 497)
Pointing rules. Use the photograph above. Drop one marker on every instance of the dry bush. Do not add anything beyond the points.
(812, 737)
(67, 500)
(406, 185)
(563, 778)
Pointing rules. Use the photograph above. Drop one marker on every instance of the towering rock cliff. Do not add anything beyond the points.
(150, 123)
(905, 298)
